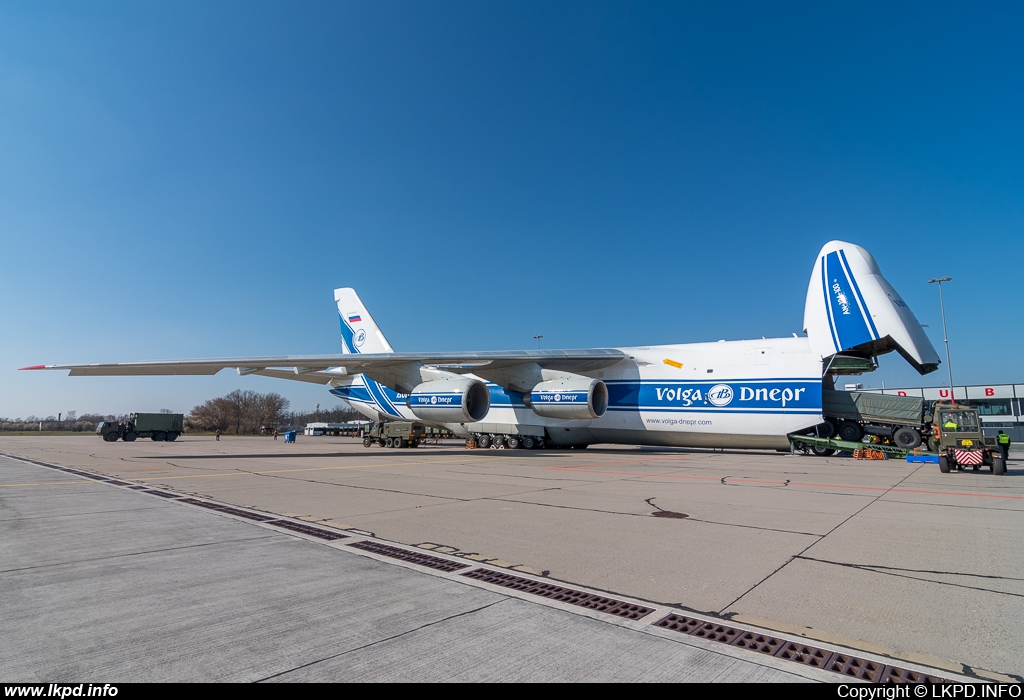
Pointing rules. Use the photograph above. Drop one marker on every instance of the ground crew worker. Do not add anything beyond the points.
(218, 434)
(1004, 444)
(950, 423)
(275, 434)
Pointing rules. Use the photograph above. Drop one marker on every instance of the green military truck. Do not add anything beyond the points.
(394, 434)
(156, 426)
(960, 443)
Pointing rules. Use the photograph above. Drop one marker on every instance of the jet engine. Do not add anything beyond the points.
(570, 398)
(450, 400)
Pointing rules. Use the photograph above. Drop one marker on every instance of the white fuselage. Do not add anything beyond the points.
(742, 394)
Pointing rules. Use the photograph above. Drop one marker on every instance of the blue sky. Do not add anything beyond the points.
(194, 179)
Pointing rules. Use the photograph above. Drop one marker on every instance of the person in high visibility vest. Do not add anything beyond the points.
(950, 423)
(1004, 444)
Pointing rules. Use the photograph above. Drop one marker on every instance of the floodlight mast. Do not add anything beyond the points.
(945, 335)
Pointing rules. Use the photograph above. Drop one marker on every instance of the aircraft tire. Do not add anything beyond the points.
(528, 442)
(483, 442)
(944, 464)
(998, 466)
(497, 442)
(513, 442)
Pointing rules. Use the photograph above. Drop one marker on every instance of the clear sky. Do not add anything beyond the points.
(193, 179)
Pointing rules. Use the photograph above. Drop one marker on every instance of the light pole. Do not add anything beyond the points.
(945, 335)
(537, 338)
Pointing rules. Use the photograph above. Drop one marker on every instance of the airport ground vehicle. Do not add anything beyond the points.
(157, 426)
(394, 434)
(738, 394)
(960, 440)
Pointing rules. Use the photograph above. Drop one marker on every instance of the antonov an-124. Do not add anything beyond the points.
(736, 394)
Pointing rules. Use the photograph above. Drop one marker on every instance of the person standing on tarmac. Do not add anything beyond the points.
(1004, 444)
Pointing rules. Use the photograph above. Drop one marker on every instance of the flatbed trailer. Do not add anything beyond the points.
(825, 446)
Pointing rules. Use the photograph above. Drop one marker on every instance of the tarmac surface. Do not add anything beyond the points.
(888, 562)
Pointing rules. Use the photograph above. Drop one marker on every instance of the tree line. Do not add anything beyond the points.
(242, 412)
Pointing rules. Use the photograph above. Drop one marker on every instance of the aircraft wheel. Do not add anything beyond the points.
(528, 442)
(512, 441)
(130, 437)
(850, 431)
(907, 438)
(944, 464)
(483, 442)
(497, 442)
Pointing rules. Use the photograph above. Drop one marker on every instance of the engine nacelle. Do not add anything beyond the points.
(450, 400)
(570, 398)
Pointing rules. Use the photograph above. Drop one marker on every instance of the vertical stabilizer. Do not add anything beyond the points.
(850, 307)
(359, 332)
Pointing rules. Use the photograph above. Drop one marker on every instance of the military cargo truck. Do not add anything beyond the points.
(156, 426)
(849, 415)
(394, 434)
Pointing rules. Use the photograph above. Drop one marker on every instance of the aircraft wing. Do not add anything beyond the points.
(321, 369)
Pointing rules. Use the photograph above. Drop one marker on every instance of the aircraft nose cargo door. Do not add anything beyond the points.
(851, 307)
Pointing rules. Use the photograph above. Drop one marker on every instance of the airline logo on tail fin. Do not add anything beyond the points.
(359, 332)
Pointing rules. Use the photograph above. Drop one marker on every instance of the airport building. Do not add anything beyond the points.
(1000, 406)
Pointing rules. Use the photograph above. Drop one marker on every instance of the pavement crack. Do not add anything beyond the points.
(380, 641)
(906, 573)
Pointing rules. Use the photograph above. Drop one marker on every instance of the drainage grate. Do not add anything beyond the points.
(138, 486)
(411, 557)
(228, 510)
(758, 642)
(894, 674)
(803, 654)
(307, 529)
(619, 608)
(117, 482)
(844, 664)
(699, 628)
(858, 668)
(162, 494)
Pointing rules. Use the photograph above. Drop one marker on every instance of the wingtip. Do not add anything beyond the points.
(34, 367)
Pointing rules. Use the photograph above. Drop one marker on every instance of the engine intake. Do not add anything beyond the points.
(570, 398)
(450, 401)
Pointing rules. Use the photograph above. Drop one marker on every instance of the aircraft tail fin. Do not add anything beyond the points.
(359, 332)
(850, 307)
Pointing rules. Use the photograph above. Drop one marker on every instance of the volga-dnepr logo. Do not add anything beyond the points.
(720, 395)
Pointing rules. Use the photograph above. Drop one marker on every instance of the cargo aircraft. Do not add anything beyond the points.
(737, 394)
